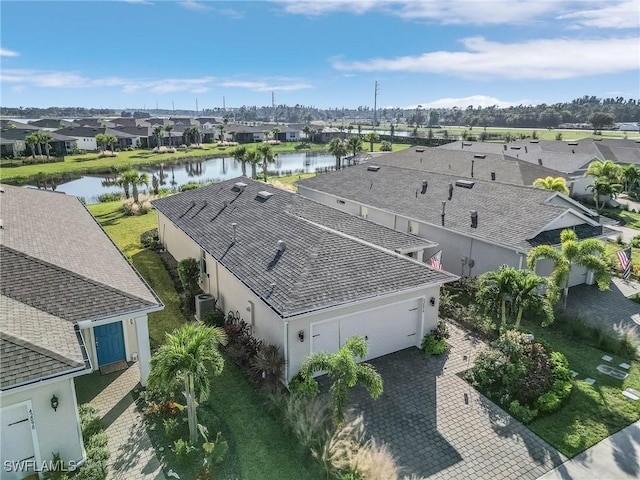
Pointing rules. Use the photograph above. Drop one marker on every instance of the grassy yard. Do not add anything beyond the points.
(263, 448)
(592, 413)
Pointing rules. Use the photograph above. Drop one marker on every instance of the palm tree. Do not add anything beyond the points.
(607, 169)
(240, 155)
(268, 157)
(526, 295)
(221, 130)
(371, 138)
(45, 139)
(306, 130)
(190, 355)
(266, 134)
(168, 129)
(631, 177)
(158, 133)
(587, 253)
(393, 131)
(111, 141)
(495, 290)
(345, 372)
(354, 144)
(602, 186)
(557, 184)
(32, 141)
(134, 179)
(253, 158)
(101, 141)
(338, 149)
(275, 132)
(125, 179)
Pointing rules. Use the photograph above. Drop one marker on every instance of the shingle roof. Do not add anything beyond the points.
(461, 162)
(320, 266)
(58, 268)
(508, 215)
(21, 133)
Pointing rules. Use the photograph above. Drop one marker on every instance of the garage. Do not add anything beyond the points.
(18, 446)
(387, 329)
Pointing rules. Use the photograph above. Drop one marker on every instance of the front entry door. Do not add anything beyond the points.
(109, 343)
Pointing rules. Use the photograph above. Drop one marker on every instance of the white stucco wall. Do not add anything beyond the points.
(86, 143)
(56, 431)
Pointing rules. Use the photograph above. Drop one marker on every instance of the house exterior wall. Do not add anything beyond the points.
(455, 247)
(56, 431)
(86, 143)
(132, 349)
(579, 187)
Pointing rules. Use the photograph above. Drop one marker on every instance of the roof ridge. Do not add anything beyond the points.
(23, 342)
(73, 274)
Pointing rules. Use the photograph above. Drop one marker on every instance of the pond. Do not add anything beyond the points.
(90, 187)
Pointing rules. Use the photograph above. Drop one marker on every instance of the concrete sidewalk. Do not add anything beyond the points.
(615, 458)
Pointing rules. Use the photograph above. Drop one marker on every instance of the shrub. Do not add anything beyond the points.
(189, 186)
(242, 346)
(183, 450)
(98, 440)
(300, 387)
(171, 428)
(268, 364)
(433, 346)
(89, 420)
(385, 146)
(189, 274)
(110, 197)
(214, 318)
(548, 402)
(215, 451)
(522, 412)
(151, 240)
(309, 419)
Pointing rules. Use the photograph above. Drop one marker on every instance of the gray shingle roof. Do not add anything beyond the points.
(320, 267)
(460, 162)
(508, 215)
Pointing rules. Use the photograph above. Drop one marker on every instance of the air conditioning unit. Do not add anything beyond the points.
(205, 302)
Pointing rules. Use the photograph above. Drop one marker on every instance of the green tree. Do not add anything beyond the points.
(354, 145)
(275, 132)
(240, 155)
(125, 177)
(495, 290)
(253, 158)
(268, 157)
(101, 141)
(168, 129)
(134, 179)
(557, 184)
(393, 131)
(345, 373)
(600, 120)
(34, 144)
(609, 170)
(307, 132)
(371, 137)
(587, 253)
(631, 176)
(158, 132)
(189, 274)
(45, 140)
(527, 295)
(338, 149)
(221, 130)
(189, 357)
(602, 186)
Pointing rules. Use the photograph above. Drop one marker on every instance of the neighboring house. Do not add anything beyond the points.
(70, 303)
(51, 124)
(628, 127)
(245, 133)
(480, 224)
(93, 122)
(59, 146)
(305, 276)
(4, 123)
(142, 135)
(208, 122)
(86, 136)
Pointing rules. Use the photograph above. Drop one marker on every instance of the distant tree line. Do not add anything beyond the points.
(580, 110)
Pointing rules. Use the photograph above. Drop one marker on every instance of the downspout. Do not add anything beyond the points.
(286, 353)
(520, 261)
(470, 258)
(217, 284)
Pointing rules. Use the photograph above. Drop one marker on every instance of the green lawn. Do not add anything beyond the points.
(592, 413)
(263, 448)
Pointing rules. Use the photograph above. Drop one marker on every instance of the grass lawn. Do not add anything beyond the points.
(631, 219)
(591, 413)
(263, 448)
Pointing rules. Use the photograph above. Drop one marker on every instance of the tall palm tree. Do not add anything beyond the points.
(125, 179)
(371, 137)
(275, 132)
(168, 129)
(221, 130)
(557, 184)
(338, 149)
(158, 133)
(253, 158)
(631, 177)
(607, 169)
(101, 141)
(34, 143)
(134, 179)
(495, 291)
(393, 131)
(240, 155)
(345, 372)
(266, 152)
(601, 186)
(306, 130)
(189, 356)
(45, 139)
(587, 253)
(354, 144)
(527, 295)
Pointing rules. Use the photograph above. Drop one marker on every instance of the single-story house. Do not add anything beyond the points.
(59, 146)
(86, 136)
(70, 303)
(51, 124)
(480, 224)
(304, 276)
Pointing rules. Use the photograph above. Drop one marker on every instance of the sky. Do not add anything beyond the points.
(325, 53)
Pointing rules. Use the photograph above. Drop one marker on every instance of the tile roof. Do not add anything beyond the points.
(58, 268)
(320, 267)
(508, 214)
(460, 162)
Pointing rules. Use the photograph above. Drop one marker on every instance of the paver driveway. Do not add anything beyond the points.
(439, 427)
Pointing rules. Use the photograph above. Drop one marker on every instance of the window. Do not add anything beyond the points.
(413, 227)
(364, 212)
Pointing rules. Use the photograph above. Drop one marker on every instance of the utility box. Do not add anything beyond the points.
(205, 303)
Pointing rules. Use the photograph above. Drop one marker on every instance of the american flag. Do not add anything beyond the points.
(435, 261)
(624, 256)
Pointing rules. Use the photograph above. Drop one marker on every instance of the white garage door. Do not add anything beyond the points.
(387, 329)
(17, 441)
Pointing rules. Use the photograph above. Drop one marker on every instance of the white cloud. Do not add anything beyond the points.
(475, 100)
(193, 5)
(141, 2)
(8, 53)
(18, 89)
(264, 86)
(532, 59)
(623, 14)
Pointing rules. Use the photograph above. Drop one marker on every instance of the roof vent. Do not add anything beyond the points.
(442, 214)
(420, 150)
(479, 155)
(539, 161)
(493, 176)
(1, 189)
(238, 186)
(505, 147)
(474, 219)
(515, 148)
(425, 184)
(597, 139)
(264, 195)
(534, 141)
(572, 143)
(373, 168)
(282, 246)
(466, 144)
(235, 226)
(450, 190)
(465, 183)
(1, 225)
(472, 163)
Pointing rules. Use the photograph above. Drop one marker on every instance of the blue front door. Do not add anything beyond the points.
(109, 343)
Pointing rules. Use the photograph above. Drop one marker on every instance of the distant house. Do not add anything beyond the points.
(13, 142)
(480, 224)
(141, 135)
(70, 304)
(628, 127)
(304, 276)
(208, 122)
(51, 123)
(86, 136)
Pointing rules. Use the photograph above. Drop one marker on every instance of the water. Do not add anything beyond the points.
(90, 187)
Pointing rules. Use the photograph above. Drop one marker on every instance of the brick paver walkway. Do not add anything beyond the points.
(132, 455)
(439, 427)
(611, 308)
